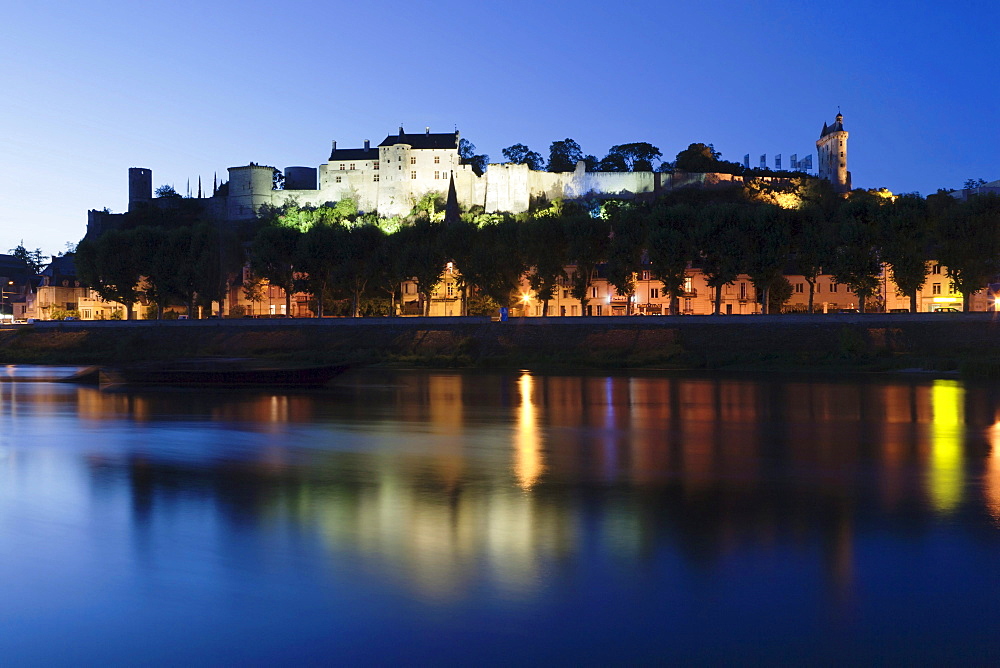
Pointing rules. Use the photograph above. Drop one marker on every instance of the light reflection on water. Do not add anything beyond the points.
(522, 516)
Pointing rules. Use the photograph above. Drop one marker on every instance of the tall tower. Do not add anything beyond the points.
(832, 149)
(140, 186)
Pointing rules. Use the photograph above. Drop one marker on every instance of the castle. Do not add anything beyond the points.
(391, 177)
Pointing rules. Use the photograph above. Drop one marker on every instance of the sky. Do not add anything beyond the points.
(188, 89)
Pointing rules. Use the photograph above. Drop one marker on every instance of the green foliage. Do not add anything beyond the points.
(57, 313)
(520, 154)
(111, 266)
(467, 154)
(969, 243)
(34, 259)
(167, 191)
(563, 156)
(856, 260)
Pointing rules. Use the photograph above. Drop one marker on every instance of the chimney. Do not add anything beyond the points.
(400, 130)
(368, 144)
(335, 145)
(427, 130)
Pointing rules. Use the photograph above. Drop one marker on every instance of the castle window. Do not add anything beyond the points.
(341, 166)
(437, 160)
(413, 175)
(352, 166)
(444, 175)
(375, 178)
(437, 175)
(337, 179)
(413, 159)
(375, 165)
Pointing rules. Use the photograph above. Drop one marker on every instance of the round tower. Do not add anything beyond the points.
(249, 188)
(140, 186)
(831, 148)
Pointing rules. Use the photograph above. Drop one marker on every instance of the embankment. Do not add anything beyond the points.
(935, 342)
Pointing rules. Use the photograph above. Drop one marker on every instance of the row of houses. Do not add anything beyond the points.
(57, 293)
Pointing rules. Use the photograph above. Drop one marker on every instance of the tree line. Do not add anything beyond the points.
(354, 264)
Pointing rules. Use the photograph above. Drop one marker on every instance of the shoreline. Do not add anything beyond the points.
(965, 344)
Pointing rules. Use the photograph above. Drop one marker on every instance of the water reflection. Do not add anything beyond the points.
(455, 485)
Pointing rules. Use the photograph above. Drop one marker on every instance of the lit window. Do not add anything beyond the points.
(437, 160)
(687, 284)
(451, 289)
(437, 175)
(413, 175)
(413, 159)
(645, 274)
(375, 165)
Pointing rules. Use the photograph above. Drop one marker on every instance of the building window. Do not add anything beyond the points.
(598, 309)
(593, 293)
(437, 160)
(341, 166)
(645, 274)
(451, 289)
(818, 287)
(375, 178)
(413, 175)
(833, 287)
(654, 293)
(687, 284)
(936, 289)
(687, 304)
(352, 166)
(375, 165)
(413, 159)
(444, 175)
(337, 179)
(437, 175)
(951, 288)
(936, 269)
(799, 287)
(743, 290)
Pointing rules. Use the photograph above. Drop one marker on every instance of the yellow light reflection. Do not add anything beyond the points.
(528, 465)
(945, 478)
(991, 477)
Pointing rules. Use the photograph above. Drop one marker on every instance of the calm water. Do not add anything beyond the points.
(441, 518)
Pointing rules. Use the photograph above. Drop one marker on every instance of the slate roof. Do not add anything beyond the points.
(354, 154)
(838, 126)
(441, 140)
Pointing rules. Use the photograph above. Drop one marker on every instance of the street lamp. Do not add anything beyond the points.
(5, 294)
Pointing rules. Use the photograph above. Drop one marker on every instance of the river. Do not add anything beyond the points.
(436, 517)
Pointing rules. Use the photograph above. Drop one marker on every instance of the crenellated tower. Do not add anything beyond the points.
(832, 153)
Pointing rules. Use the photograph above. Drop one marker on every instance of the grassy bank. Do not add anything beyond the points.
(965, 342)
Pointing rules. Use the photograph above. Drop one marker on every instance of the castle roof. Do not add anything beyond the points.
(441, 140)
(354, 154)
(838, 126)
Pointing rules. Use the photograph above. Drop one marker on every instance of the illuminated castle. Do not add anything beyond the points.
(832, 149)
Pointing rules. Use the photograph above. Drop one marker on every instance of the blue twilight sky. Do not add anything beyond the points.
(188, 89)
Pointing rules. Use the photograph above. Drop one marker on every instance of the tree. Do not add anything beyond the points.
(812, 244)
(468, 155)
(357, 257)
(544, 247)
(519, 154)
(855, 261)
(905, 240)
(496, 265)
(317, 259)
(635, 157)
(563, 156)
(423, 257)
(721, 243)
(278, 180)
(110, 266)
(767, 234)
(697, 158)
(971, 184)
(969, 243)
(588, 239)
(273, 253)
(167, 191)
(671, 247)
(628, 241)
(34, 259)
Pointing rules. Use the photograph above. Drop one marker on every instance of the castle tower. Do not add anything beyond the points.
(249, 188)
(140, 186)
(832, 149)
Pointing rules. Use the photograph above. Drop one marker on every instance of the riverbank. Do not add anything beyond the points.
(962, 342)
